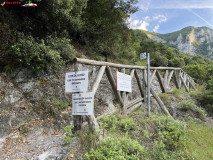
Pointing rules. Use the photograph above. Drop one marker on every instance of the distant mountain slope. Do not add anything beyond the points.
(191, 40)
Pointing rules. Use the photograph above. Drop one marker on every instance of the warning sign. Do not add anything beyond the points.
(83, 104)
(76, 81)
(123, 82)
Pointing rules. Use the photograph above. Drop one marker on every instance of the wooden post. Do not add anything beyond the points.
(139, 85)
(160, 80)
(92, 122)
(152, 76)
(112, 82)
(184, 84)
(179, 79)
(77, 119)
(176, 80)
(170, 77)
(165, 79)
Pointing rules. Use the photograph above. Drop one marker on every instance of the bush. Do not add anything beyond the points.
(112, 122)
(189, 105)
(68, 134)
(38, 56)
(117, 149)
(171, 139)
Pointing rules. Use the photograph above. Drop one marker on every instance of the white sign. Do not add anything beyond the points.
(76, 81)
(143, 55)
(123, 82)
(83, 103)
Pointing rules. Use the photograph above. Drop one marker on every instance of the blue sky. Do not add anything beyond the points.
(165, 16)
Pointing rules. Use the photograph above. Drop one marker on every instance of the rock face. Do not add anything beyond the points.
(191, 40)
(31, 118)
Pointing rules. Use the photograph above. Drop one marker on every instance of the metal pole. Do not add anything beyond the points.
(148, 84)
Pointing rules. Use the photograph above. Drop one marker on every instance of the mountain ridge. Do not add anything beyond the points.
(190, 40)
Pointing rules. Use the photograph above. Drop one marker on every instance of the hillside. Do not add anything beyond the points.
(37, 48)
(191, 40)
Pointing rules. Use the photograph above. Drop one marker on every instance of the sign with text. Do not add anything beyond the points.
(76, 81)
(83, 103)
(123, 82)
(143, 55)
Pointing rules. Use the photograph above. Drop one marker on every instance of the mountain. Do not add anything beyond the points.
(190, 40)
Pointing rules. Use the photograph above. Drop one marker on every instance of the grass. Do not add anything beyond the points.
(200, 141)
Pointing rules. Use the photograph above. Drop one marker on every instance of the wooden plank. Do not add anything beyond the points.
(134, 102)
(176, 80)
(179, 79)
(152, 76)
(160, 80)
(157, 98)
(92, 122)
(112, 82)
(170, 77)
(98, 79)
(103, 63)
(165, 79)
(184, 84)
(131, 109)
(139, 84)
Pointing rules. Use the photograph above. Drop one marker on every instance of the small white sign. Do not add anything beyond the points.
(76, 81)
(123, 82)
(83, 103)
(143, 55)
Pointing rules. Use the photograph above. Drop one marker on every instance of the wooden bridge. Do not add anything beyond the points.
(164, 76)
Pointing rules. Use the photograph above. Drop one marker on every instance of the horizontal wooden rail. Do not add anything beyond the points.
(103, 63)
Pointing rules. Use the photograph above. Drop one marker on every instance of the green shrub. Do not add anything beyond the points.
(189, 105)
(23, 129)
(117, 149)
(171, 141)
(171, 132)
(176, 92)
(112, 122)
(68, 134)
(39, 55)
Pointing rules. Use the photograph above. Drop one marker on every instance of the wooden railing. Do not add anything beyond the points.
(179, 76)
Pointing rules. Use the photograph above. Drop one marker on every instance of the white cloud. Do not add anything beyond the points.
(144, 25)
(156, 28)
(160, 18)
(136, 24)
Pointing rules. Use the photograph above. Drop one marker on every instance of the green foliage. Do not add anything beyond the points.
(117, 148)
(112, 122)
(68, 135)
(165, 98)
(59, 104)
(23, 129)
(171, 139)
(38, 56)
(189, 105)
(88, 138)
(176, 92)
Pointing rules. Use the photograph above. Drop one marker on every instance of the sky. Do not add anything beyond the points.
(166, 16)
